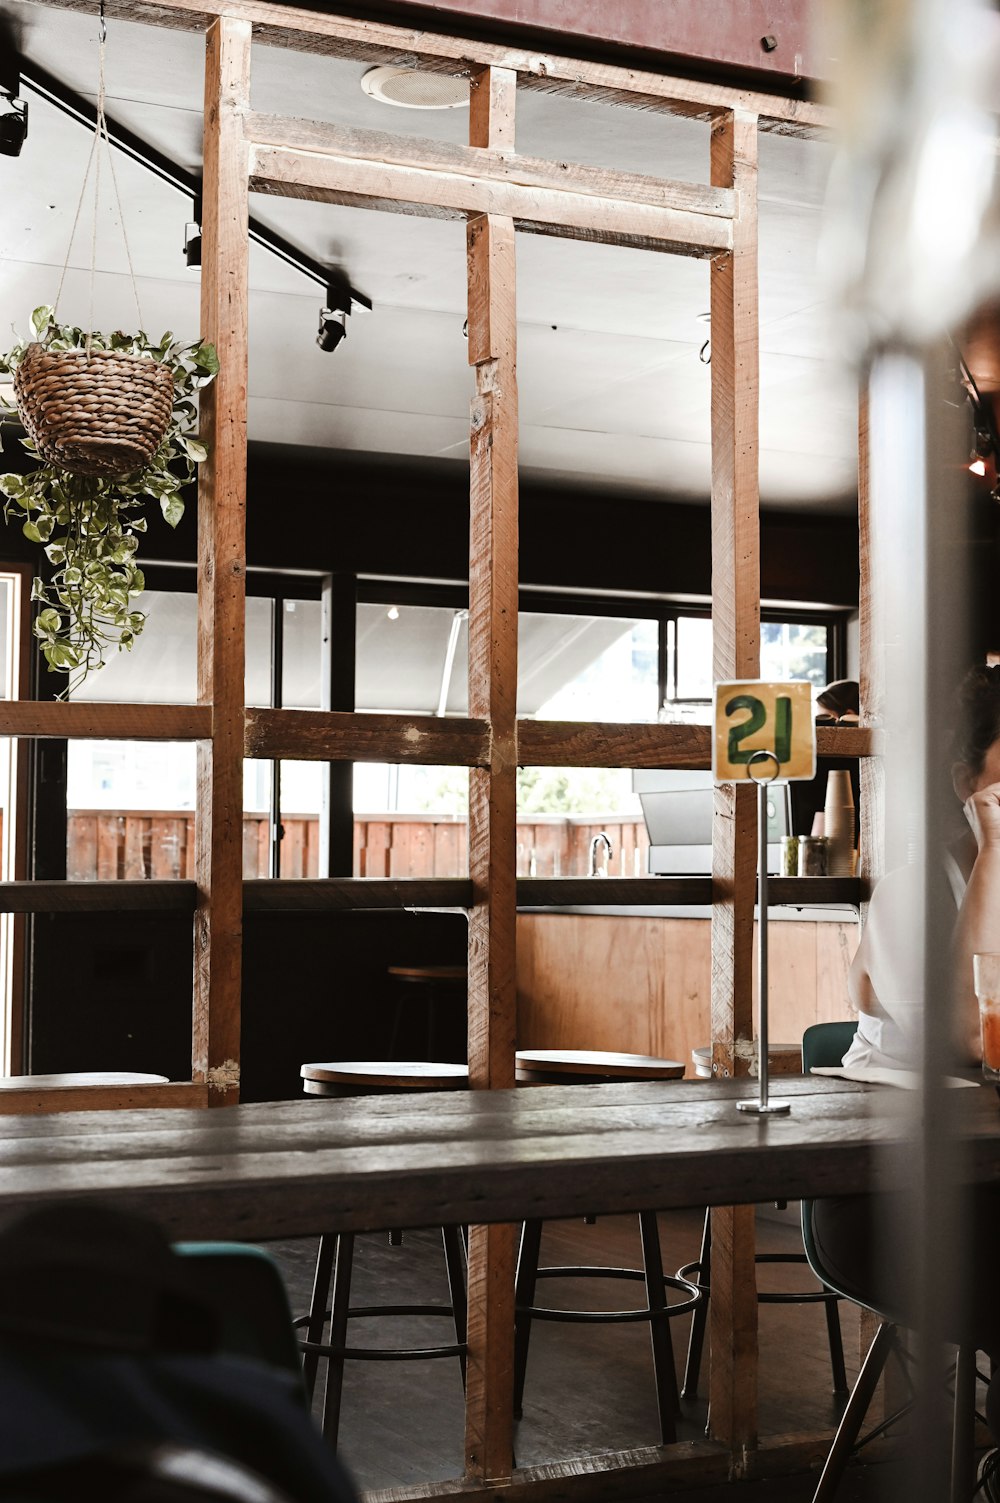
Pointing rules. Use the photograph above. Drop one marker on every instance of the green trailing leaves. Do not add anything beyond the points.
(89, 527)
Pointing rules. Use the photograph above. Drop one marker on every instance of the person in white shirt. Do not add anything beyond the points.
(885, 985)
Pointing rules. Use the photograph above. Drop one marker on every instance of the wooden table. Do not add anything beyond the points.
(297, 1168)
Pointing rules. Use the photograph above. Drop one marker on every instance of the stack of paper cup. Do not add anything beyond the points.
(839, 824)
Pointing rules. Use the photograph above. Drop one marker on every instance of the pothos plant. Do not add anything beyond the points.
(90, 526)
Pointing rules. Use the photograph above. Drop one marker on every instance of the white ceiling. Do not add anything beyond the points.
(613, 395)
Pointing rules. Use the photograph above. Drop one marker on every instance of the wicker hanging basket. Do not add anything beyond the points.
(104, 414)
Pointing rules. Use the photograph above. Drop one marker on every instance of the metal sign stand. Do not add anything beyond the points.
(762, 1106)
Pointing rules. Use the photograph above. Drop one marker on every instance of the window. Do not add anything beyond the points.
(789, 649)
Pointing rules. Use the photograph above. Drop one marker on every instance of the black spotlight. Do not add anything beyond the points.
(192, 235)
(340, 298)
(13, 126)
(332, 327)
(192, 244)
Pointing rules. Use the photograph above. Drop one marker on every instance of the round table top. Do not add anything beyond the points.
(599, 1062)
(417, 1075)
(80, 1078)
(428, 972)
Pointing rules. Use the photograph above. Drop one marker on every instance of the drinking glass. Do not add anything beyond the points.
(986, 973)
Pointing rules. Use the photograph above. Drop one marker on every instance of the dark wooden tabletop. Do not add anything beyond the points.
(296, 1168)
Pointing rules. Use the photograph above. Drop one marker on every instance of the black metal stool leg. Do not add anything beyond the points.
(524, 1298)
(699, 1320)
(854, 1415)
(339, 1308)
(832, 1309)
(317, 1309)
(659, 1330)
(454, 1257)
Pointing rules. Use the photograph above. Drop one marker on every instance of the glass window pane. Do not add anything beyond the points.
(587, 667)
(694, 657)
(790, 649)
(412, 659)
(560, 811)
(302, 655)
(162, 666)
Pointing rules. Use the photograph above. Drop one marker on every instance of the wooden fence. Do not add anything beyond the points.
(112, 844)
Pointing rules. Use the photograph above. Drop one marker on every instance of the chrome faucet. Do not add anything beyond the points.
(600, 839)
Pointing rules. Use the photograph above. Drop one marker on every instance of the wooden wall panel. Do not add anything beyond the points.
(589, 981)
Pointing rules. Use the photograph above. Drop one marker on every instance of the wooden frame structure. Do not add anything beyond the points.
(497, 193)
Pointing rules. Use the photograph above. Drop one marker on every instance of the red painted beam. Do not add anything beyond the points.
(770, 41)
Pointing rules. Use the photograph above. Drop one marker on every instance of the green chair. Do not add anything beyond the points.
(244, 1286)
(824, 1046)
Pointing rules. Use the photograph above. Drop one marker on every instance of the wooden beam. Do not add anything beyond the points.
(498, 163)
(80, 720)
(643, 1472)
(736, 650)
(331, 735)
(353, 894)
(373, 42)
(222, 567)
(319, 735)
(443, 195)
(98, 897)
(35, 1100)
(493, 604)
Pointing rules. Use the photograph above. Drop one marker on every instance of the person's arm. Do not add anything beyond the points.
(978, 926)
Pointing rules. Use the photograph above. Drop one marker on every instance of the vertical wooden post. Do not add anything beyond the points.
(222, 567)
(736, 650)
(492, 790)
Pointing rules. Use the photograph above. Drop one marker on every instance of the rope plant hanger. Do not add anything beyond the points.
(110, 417)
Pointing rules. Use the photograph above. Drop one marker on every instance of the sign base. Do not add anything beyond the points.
(764, 1108)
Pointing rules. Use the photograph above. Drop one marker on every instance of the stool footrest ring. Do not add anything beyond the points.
(385, 1353)
(611, 1317)
(766, 1297)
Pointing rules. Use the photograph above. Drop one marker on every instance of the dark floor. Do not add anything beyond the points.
(589, 1388)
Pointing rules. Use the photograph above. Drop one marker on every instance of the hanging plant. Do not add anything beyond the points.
(111, 419)
(79, 504)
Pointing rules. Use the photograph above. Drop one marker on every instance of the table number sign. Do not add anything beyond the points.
(754, 716)
(763, 733)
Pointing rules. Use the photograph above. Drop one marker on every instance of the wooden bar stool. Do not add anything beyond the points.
(80, 1078)
(331, 1295)
(427, 985)
(582, 1067)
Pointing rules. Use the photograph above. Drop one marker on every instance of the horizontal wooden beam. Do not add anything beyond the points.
(487, 166)
(341, 736)
(585, 743)
(328, 735)
(640, 1473)
(333, 894)
(34, 1100)
(84, 721)
(618, 892)
(448, 195)
(98, 897)
(372, 42)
